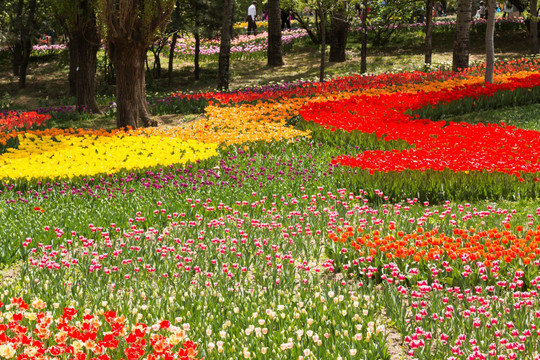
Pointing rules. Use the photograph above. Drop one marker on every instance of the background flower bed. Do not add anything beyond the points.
(269, 250)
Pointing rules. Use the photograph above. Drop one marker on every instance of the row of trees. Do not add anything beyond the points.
(129, 28)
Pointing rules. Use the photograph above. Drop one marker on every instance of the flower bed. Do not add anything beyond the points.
(434, 145)
(243, 235)
(21, 121)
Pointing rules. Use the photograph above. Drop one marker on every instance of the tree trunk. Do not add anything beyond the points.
(18, 29)
(26, 50)
(534, 26)
(26, 40)
(275, 57)
(339, 32)
(323, 40)
(157, 63)
(363, 51)
(429, 32)
(171, 56)
(132, 109)
(17, 58)
(460, 58)
(490, 47)
(197, 35)
(84, 46)
(225, 47)
(131, 28)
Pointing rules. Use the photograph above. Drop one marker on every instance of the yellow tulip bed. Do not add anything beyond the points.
(70, 156)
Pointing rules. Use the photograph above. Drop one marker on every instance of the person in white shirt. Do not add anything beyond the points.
(252, 14)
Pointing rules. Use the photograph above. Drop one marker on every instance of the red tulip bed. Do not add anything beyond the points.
(364, 225)
(435, 145)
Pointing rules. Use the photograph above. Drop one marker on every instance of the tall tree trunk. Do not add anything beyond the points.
(26, 37)
(534, 26)
(363, 51)
(171, 56)
(26, 50)
(84, 46)
(17, 58)
(84, 43)
(460, 58)
(338, 33)
(18, 48)
(132, 109)
(225, 47)
(197, 36)
(275, 57)
(323, 39)
(490, 47)
(429, 32)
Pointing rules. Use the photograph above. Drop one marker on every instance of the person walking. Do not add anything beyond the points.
(252, 14)
(285, 19)
(482, 12)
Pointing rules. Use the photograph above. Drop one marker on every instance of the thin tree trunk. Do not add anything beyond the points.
(429, 32)
(157, 63)
(197, 36)
(26, 49)
(363, 51)
(275, 57)
(305, 25)
(18, 48)
(460, 58)
(534, 26)
(26, 39)
(490, 47)
(339, 32)
(17, 58)
(323, 40)
(225, 47)
(171, 56)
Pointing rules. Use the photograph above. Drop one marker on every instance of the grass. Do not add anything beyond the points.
(525, 117)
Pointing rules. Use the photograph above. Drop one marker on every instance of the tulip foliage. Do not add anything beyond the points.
(345, 220)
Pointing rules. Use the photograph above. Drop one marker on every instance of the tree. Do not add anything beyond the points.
(386, 17)
(21, 34)
(534, 26)
(78, 18)
(225, 46)
(202, 19)
(490, 47)
(130, 27)
(460, 58)
(363, 50)
(275, 57)
(322, 15)
(339, 29)
(175, 23)
(429, 31)
(155, 48)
